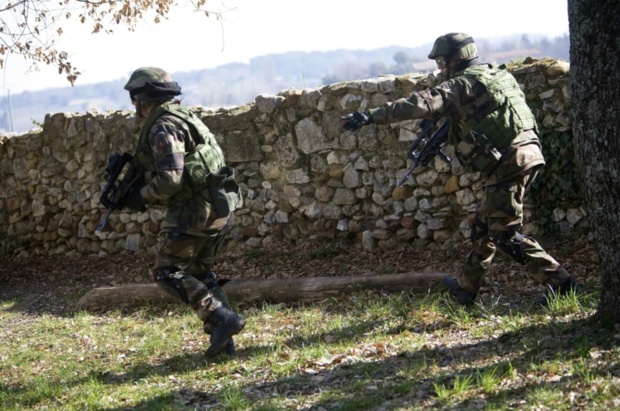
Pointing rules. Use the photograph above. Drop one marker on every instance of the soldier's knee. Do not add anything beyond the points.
(510, 242)
(171, 280)
(208, 278)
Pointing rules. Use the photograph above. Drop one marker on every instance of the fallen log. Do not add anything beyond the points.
(259, 290)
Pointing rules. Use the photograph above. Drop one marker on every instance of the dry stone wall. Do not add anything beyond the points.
(301, 175)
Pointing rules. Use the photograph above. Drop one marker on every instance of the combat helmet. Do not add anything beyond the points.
(454, 46)
(151, 83)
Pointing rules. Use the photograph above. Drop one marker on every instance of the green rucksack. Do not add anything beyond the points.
(224, 190)
(204, 167)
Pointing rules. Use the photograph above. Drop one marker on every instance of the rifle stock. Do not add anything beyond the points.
(426, 146)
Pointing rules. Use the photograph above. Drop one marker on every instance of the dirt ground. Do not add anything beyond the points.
(54, 284)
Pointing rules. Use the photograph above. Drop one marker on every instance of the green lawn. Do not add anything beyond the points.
(365, 351)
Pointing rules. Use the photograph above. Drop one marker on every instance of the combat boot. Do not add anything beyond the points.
(458, 293)
(209, 278)
(568, 286)
(223, 324)
(230, 347)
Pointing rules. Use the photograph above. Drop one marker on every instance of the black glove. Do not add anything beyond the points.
(356, 120)
(134, 201)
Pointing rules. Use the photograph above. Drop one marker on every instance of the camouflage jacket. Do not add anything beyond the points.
(461, 100)
(169, 139)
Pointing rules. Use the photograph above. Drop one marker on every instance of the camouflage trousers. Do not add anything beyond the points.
(183, 269)
(497, 222)
(193, 254)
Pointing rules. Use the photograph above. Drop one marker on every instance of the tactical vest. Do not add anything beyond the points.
(199, 164)
(496, 123)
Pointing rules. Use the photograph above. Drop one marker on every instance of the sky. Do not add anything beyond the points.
(188, 41)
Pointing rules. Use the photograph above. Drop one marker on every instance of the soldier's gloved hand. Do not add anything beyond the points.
(134, 201)
(356, 120)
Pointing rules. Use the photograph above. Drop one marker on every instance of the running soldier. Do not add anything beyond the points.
(197, 216)
(495, 133)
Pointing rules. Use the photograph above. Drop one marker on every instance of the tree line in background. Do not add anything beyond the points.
(29, 28)
(238, 83)
(491, 50)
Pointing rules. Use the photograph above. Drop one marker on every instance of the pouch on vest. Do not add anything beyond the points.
(478, 152)
(225, 192)
(198, 167)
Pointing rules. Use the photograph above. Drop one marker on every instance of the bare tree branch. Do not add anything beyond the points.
(30, 28)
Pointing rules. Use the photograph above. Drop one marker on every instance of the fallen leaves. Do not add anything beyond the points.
(351, 356)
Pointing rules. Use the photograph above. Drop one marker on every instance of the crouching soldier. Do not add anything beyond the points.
(183, 169)
(495, 133)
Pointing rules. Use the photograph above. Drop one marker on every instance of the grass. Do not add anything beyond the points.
(365, 351)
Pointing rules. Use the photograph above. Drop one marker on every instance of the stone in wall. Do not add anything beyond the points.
(302, 176)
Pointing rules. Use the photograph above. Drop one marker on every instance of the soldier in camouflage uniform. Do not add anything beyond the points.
(494, 133)
(193, 227)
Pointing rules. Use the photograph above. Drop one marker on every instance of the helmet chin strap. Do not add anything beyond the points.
(466, 63)
(140, 108)
(449, 71)
(459, 66)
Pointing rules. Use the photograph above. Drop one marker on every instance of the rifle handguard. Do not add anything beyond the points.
(114, 190)
(431, 146)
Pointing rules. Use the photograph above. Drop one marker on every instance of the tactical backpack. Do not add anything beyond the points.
(483, 139)
(204, 167)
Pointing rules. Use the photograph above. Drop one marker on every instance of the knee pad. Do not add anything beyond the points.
(510, 243)
(208, 278)
(171, 281)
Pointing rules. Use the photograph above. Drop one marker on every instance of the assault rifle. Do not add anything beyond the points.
(116, 191)
(426, 146)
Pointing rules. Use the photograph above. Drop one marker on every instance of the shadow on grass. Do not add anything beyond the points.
(404, 379)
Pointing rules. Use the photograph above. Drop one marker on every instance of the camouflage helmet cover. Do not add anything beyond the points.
(151, 83)
(457, 46)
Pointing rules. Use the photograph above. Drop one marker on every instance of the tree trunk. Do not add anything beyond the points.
(270, 290)
(594, 78)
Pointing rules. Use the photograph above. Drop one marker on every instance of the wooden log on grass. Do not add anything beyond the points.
(263, 290)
